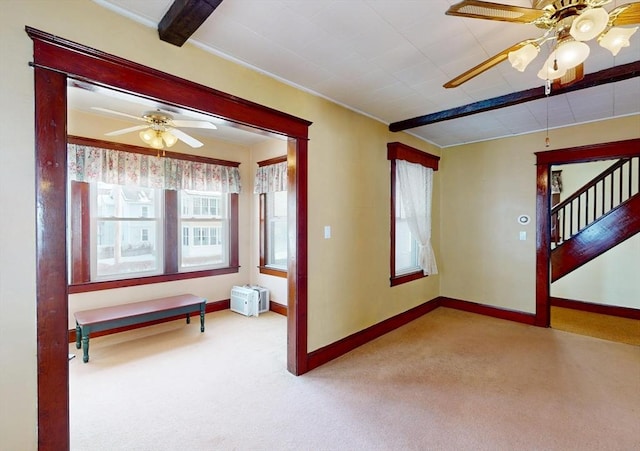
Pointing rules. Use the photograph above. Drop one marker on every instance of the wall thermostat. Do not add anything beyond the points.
(524, 219)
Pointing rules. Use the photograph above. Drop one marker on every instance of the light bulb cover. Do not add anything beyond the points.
(616, 38)
(569, 53)
(169, 138)
(521, 58)
(548, 72)
(147, 135)
(156, 141)
(589, 24)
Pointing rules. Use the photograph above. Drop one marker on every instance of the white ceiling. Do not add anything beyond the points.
(389, 59)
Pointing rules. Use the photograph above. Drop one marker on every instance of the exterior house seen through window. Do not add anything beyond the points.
(127, 224)
(204, 226)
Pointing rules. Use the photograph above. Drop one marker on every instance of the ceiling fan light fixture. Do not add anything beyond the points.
(550, 70)
(569, 53)
(168, 138)
(156, 141)
(147, 135)
(616, 38)
(589, 24)
(521, 58)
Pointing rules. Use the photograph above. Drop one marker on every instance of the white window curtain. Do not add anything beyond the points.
(416, 185)
(95, 164)
(271, 178)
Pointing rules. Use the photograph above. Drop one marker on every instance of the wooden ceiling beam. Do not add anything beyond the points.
(183, 18)
(611, 75)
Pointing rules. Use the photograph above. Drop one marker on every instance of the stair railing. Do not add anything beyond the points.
(605, 192)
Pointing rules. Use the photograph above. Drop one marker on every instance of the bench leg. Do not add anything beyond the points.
(78, 336)
(202, 318)
(85, 348)
(188, 318)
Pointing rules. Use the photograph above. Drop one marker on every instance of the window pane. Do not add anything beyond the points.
(406, 252)
(406, 249)
(278, 244)
(204, 218)
(276, 232)
(126, 247)
(126, 237)
(125, 202)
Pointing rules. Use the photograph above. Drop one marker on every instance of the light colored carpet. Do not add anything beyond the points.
(607, 327)
(450, 380)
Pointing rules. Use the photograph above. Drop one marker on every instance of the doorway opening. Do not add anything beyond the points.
(548, 163)
(57, 60)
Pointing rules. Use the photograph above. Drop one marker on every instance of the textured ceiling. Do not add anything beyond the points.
(388, 59)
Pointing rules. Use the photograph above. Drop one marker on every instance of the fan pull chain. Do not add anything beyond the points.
(547, 92)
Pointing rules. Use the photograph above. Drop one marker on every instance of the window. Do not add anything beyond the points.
(203, 217)
(271, 184)
(152, 231)
(275, 232)
(124, 243)
(406, 246)
(411, 180)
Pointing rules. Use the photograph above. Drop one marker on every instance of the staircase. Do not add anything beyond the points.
(598, 216)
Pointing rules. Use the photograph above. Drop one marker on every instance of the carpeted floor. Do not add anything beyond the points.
(449, 380)
(612, 328)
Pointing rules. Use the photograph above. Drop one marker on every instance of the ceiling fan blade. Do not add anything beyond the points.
(117, 113)
(126, 130)
(182, 136)
(486, 65)
(495, 11)
(194, 124)
(628, 14)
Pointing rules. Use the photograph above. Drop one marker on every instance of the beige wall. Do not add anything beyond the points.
(348, 189)
(485, 187)
(479, 191)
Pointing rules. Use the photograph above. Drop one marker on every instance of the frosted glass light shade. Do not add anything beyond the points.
(548, 72)
(570, 53)
(147, 135)
(616, 38)
(156, 141)
(169, 138)
(521, 58)
(589, 24)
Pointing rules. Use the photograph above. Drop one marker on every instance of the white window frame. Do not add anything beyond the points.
(94, 238)
(212, 228)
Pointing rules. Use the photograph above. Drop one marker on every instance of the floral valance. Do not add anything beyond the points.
(95, 164)
(271, 178)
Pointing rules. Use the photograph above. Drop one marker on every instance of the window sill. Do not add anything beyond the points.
(121, 283)
(404, 278)
(273, 271)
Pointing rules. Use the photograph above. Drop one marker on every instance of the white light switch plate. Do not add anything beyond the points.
(523, 235)
(327, 232)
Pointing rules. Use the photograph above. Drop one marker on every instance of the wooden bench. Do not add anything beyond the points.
(105, 318)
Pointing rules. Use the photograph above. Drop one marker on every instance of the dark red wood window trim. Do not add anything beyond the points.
(264, 251)
(398, 151)
(80, 248)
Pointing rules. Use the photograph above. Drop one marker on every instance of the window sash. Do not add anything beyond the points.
(204, 219)
(117, 248)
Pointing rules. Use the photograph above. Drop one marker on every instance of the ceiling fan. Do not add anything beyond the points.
(567, 22)
(160, 129)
